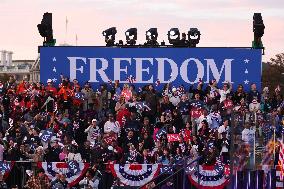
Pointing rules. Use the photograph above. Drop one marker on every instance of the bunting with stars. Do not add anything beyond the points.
(211, 177)
(73, 171)
(5, 168)
(135, 174)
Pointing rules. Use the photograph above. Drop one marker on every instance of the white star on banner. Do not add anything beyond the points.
(54, 80)
(54, 59)
(246, 61)
(246, 72)
(54, 69)
(246, 81)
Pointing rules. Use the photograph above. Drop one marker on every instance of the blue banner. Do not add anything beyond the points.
(142, 66)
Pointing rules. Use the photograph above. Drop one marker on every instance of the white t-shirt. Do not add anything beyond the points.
(175, 100)
(224, 148)
(254, 106)
(223, 94)
(111, 126)
(223, 129)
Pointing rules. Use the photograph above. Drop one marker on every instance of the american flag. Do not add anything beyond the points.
(158, 82)
(281, 159)
(200, 81)
(29, 89)
(268, 154)
(131, 79)
(123, 120)
(55, 107)
(242, 157)
(110, 82)
(76, 125)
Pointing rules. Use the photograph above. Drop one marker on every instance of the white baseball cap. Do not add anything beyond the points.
(110, 148)
(49, 81)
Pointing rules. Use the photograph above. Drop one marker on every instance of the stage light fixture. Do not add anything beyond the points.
(131, 36)
(45, 29)
(193, 37)
(110, 36)
(174, 36)
(151, 37)
(258, 30)
(174, 33)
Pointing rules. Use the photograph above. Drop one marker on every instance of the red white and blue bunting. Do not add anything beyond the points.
(135, 174)
(73, 171)
(211, 177)
(5, 168)
(279, 183)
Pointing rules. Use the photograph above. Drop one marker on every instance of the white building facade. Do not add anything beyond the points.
(20, 69)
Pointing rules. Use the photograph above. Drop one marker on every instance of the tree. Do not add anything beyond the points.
(4, 78)
(278, 60)
(273, 73)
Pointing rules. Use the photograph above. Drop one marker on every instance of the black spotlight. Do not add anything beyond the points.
(131, 36)
(110, 36)
(174, 36)
(151, 37)
(45, 29)
(193, 37)
(258, 30)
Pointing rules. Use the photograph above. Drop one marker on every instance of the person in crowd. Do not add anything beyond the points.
(253, 94)
(224, 129)
(55, 181)
(168, 185)
(38, 181)
(197, 106)
(3, 185)
(88, 96)
(89, 180)
(175, 98)
(126, 92)
(183, 107)
(111, 126)
(60, 182)
(151, 98)
(227, 87)
(94, 132)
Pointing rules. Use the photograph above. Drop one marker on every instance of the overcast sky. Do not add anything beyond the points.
(221, 22)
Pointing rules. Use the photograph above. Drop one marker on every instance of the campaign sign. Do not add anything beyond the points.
(173, 137)
(161, 132)
(46, 135)
(178, 66)
(109, 139)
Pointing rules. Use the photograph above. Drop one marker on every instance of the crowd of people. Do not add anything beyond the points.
(123, 124)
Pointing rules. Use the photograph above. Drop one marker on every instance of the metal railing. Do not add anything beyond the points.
(179, 170)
